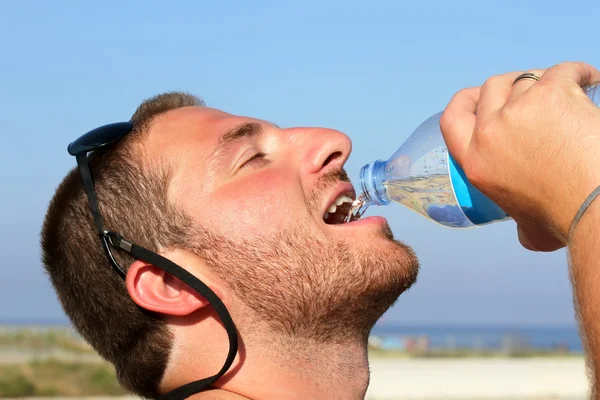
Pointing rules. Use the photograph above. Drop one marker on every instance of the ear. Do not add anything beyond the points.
(156, 290)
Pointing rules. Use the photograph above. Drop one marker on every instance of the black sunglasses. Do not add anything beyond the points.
(104, 137)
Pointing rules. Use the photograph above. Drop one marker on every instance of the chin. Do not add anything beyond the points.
(392, 258)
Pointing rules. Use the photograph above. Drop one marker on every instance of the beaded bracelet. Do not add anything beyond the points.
(581, 211)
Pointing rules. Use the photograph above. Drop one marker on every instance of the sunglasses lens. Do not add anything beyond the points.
(100, 137)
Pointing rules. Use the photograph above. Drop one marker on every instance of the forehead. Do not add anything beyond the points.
(200, 127)
(185, 139)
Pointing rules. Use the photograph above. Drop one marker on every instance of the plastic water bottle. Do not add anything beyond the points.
(424, 177)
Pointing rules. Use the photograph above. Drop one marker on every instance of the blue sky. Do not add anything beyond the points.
(374, 70)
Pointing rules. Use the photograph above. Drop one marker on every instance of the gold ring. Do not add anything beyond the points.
(527, 75)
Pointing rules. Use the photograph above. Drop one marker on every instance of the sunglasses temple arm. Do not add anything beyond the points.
(86, 178)
(140, 253)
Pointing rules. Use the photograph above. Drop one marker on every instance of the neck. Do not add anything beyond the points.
(269, 366)
(305, 369)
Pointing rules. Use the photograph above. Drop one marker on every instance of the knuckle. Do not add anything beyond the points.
(451, 115)
(463, 93)
(547, 91)
(563, 65)
(484, 130)
(494, 80)
(447, 120)
(508, 114)
(538, 71)
(570, 66)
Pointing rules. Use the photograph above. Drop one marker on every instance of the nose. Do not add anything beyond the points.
(323, 150)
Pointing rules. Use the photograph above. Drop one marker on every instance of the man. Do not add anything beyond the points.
(241, 204)
(253, 211)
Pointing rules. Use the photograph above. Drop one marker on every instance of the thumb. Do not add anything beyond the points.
(538, 240)
(458, 122)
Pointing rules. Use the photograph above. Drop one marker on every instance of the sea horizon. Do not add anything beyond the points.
(483, 336)
(385, 325)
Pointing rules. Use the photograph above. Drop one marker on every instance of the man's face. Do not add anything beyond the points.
(263, 194)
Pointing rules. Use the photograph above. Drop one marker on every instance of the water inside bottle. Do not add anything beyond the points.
(421, 192)
(429, 195)
(358, 208)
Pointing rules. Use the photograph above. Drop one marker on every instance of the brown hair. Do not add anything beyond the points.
(132, 197)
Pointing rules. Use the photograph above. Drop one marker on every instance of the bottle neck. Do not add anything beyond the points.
(372, 178)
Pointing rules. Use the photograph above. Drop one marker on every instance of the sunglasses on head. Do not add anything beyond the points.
(104, 137)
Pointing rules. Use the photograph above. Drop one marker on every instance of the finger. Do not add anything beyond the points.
(458, 122)
(538, 241)
(520, 87)
(573, 73)
(494, 93)
(524, 240)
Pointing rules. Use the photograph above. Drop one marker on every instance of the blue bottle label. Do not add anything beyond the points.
(477, 207)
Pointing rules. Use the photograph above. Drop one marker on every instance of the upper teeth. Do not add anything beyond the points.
(338, 202)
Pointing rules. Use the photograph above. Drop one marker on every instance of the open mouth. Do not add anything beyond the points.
(338, 210)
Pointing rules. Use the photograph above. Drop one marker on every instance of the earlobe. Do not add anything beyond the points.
(153, 289)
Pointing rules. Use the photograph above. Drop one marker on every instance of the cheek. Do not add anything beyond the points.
(258, 205)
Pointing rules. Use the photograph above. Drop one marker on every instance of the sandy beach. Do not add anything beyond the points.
(485, 378)
(552, 378)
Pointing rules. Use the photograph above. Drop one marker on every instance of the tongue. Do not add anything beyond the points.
(337, 218)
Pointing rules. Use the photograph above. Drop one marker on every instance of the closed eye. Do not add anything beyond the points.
(257, 158)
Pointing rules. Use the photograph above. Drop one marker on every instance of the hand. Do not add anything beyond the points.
(533, 148)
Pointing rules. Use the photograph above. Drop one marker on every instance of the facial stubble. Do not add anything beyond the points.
(302, 287)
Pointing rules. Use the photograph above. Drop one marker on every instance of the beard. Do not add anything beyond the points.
(304, 288)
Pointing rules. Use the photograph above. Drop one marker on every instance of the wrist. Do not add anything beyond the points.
(574, 193)
(589, 212)
(582, 210)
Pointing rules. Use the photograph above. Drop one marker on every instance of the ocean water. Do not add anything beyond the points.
(481, 337)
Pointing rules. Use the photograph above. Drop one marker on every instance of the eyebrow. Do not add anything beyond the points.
(242, 131)
(245, 130)
(234, 135)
